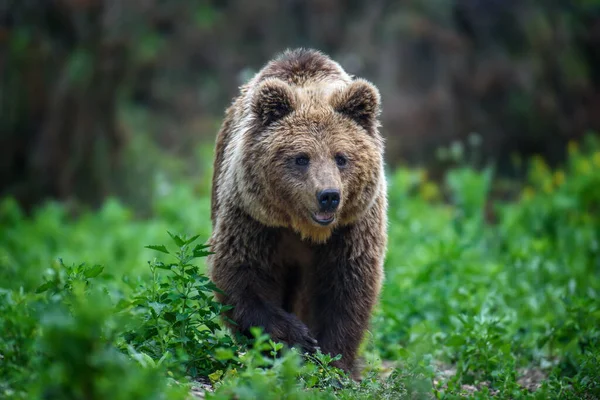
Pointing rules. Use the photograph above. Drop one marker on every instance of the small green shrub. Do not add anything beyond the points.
(180, 315)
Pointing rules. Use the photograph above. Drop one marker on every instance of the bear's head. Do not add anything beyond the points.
(313, 159)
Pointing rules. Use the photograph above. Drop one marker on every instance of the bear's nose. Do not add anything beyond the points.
(329, 199)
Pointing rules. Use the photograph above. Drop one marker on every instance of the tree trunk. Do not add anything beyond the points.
(60, 81)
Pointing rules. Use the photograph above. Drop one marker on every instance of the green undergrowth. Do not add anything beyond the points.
(482, 298)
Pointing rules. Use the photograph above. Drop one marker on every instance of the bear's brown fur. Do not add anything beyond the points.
(300, 130)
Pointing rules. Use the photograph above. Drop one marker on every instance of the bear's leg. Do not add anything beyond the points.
(344, 294)
(241, 267)
(252, 309)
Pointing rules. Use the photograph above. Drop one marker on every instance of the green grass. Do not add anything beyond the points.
(471, 307)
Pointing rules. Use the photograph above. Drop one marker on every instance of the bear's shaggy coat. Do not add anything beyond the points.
(309, 277)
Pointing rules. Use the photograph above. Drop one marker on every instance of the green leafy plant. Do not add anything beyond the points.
(80, 359)
(280, 374)
(181, 315)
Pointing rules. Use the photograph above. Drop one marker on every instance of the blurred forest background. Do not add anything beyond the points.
(89, 87)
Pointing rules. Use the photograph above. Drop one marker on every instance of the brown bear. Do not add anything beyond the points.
(299, 204)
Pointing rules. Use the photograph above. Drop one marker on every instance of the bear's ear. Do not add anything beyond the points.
(359, 101)
(273, 100)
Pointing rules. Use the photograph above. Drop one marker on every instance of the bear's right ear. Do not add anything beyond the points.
(273, 100)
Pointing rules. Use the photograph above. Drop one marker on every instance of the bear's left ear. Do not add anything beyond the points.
(273, 100)
(359, 101)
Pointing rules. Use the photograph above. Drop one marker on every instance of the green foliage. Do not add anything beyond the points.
(496, 301)
(180, 314)
(470, 307)
(79, 358)
(273, 376)
(60, 341)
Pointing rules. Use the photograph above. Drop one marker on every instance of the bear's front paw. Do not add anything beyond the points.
(291, 330)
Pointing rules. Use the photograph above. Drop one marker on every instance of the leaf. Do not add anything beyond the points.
(94, 271)
(455, 341)
(174, 296)
(182, 317)
(223, 354)
(192, 239)
(44, 287)
(213, 326)
(199, 296)
(210, 285)
(275, 345)
(164, 357)
(169, 317)
(162, 265)
(403, 353)
(157, 307)
(201, 253)
(177, 239)
(160, 248)
(142, 358)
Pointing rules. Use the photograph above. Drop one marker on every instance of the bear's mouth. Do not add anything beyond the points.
(323, 218)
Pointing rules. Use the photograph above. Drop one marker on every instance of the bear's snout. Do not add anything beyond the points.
(328, 199)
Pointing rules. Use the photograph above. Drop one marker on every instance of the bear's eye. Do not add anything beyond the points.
(340, 160)
(302, 160)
